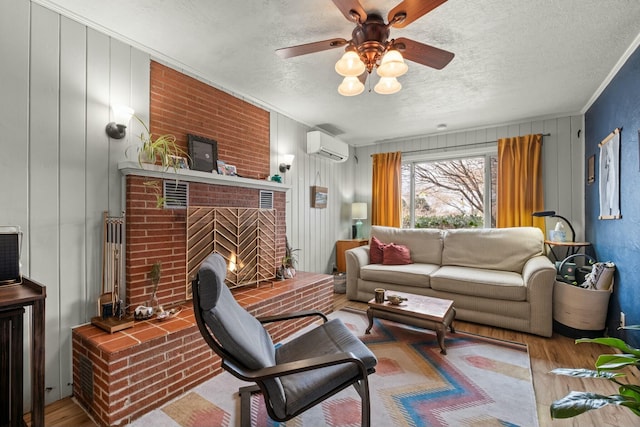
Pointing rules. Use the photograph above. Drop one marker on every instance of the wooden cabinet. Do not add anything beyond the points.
(13, 300)
(342, 246)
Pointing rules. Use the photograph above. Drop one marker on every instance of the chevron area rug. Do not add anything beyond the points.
(479, 382)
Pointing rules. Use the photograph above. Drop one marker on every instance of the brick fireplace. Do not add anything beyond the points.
(155, 234)
(118, 377)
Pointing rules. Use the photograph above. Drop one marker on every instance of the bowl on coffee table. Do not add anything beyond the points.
(396, 299)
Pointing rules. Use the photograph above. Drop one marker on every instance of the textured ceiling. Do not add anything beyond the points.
(515, 59)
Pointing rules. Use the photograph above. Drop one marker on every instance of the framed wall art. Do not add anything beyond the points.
(319, 197)
(203, 153)
(609, 176)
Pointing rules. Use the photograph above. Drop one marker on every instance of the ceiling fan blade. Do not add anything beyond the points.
(423, 53)
(349, 6)
(413, 10)
(303, 49)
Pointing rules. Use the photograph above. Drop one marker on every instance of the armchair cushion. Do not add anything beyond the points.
(239, 332)
(329, 338)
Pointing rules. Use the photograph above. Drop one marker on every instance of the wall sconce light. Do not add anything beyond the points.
(359, 212)
(121, 116)
(287, 159)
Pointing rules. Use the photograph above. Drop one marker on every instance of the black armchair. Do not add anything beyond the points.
(293, 377)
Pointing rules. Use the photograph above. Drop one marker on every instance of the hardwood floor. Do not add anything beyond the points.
(545, 353)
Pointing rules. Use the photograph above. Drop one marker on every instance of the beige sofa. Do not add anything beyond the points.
(499, 277)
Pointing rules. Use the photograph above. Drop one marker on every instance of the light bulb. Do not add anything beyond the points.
(392, 65)
(350, 65)
(387, 86)
(350, 86)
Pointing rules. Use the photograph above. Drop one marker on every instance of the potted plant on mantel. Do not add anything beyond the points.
(578, 402)
(160, 150)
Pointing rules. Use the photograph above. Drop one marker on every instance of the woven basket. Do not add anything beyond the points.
(340, 283)
(579, 308)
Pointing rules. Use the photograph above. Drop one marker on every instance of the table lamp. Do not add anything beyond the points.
(552, 214)
(359, 212)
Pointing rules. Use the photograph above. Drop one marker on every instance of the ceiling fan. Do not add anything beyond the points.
(371, 48)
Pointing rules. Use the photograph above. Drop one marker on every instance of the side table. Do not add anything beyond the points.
(13, 299)
(344, 245)
(572, 248)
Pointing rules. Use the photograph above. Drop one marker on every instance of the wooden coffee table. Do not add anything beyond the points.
(424, 312)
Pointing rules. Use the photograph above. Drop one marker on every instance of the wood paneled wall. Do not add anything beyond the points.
(58, 166)
(313, 231)
(563, 160)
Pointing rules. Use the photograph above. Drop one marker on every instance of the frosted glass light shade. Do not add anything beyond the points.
(392, 65)
(359, 211)
(387, 86)
(287, 159)
(117, 129)
(122, 114)
(350, 65)
(350, 86)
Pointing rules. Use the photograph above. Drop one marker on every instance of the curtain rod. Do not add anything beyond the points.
(473, 144)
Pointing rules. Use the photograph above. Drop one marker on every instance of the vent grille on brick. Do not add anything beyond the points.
(176, 194)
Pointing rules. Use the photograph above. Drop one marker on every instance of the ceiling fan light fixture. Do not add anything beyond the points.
(387, 86)
(350, 65)
(351, 86)
(392, 64)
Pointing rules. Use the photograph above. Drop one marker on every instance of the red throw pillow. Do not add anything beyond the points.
(393, 254)
(375, 251)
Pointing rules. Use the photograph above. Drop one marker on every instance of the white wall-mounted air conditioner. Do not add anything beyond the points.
(324, 145)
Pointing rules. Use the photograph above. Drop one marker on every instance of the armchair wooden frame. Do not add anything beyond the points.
(233, 366)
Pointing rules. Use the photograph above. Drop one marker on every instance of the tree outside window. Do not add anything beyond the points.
(449, 193)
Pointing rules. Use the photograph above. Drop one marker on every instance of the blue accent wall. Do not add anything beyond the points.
(618, 240)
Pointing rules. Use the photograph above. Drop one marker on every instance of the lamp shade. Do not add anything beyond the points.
(350, 86)
(122, 114)
(350, 65)
(392, 65)
(287, 159)
(387, 86)
(359, 211)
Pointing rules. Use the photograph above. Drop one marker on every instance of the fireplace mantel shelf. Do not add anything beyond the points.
(155, 171)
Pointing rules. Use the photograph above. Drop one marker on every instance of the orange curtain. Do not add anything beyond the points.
(386, 200)
(520, 181)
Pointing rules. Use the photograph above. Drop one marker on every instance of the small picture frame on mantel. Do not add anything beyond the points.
(319, 197)
(203, 153)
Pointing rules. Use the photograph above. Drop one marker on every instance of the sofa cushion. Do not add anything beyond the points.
(408, 274)
(425, 244)
(393, 254)
(502, 285)
(375, 250)
(505, 249)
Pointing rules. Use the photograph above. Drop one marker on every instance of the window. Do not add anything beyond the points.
(450, 192)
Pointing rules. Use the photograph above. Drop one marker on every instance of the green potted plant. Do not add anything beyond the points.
(287, 268)
(161, 149)
(578, 402)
